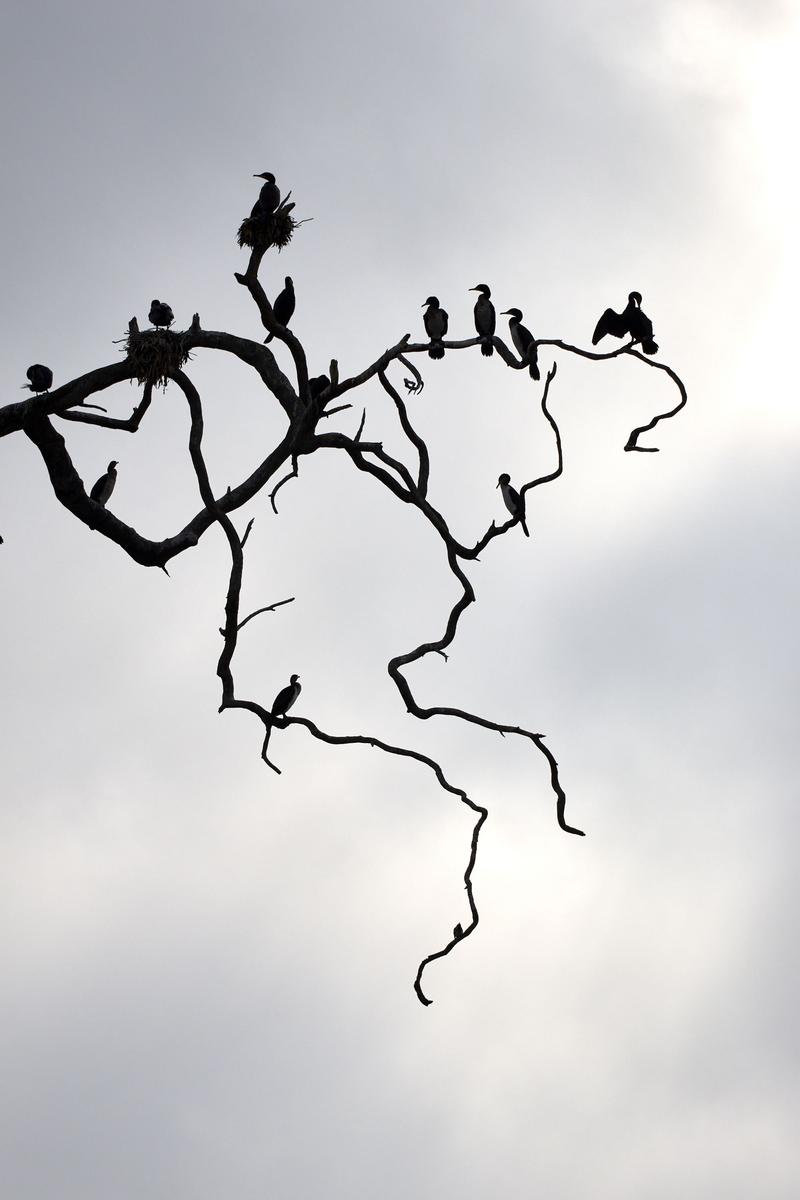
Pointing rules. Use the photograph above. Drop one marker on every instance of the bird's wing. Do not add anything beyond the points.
(526, 339)
(641, 326)
(611, 322)
(434, 325)
(97, 488)
(445, 321)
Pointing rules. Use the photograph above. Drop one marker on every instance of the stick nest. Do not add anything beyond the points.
(156, 354)
(261, 233)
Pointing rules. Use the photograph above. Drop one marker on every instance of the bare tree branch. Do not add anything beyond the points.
(291, 475)
(411, 434)
(266, 608)
(132, 423)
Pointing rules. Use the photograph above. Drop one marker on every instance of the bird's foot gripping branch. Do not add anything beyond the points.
(158, 356)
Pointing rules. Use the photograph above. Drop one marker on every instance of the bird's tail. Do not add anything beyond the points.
(534, 370)
(269, 338)
(524, 526)
(487, 347)
(649, 346)
(436, 350)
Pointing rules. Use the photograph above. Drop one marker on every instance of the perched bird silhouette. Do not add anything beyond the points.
(631, 322)
(102, 490)
(41, 378)
(514, 502)
(485, 318)
(436, 321)
(318, 385)
(286, 697)
(160, 314)
(458, 932)
(283, 307)
(524, 341)
(268, 198)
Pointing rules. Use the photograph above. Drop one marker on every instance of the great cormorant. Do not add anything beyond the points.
(160, 314)
(524, 341)
(485, 318)
(286, 697)
(283, 307)
(631, 322)
(436, 321)
(41, 378)
(269, 197)
(102, 490)
(514, 502)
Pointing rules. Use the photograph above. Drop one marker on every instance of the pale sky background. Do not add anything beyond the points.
(207, 969)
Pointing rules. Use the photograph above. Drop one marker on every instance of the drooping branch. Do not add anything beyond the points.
(291, 475)
(230, 633)
(483, 813)
(631, 443)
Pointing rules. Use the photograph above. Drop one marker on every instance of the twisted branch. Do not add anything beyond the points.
(70, 403)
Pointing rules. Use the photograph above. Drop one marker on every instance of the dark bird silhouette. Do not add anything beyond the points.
(283, 307)
(268, 198)
(485, 318)
(631, 322)
(524, 341)
(436, 321)
(286, 697)
(160, 314)
(514, 502)
(102, 490)
(458, 932)
(41, 378)
(318, 385)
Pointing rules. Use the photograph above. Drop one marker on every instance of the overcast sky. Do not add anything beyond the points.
(207, 968)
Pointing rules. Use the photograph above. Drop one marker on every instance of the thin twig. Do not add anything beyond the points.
(266, 608)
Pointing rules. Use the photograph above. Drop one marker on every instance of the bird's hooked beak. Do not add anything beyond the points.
(507, 313)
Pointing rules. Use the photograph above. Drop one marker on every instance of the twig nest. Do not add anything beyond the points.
(260, 233)
(156, 354)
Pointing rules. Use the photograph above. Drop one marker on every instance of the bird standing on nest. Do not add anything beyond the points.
(160, 315)
(631, 322)
(485, 318)
(102, 490)
(268, 198)
(514, 502)
(524, 341)
(436, 321)
(41, 378)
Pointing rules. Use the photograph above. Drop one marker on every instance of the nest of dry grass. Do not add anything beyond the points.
(156, 354)
(261, 233)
